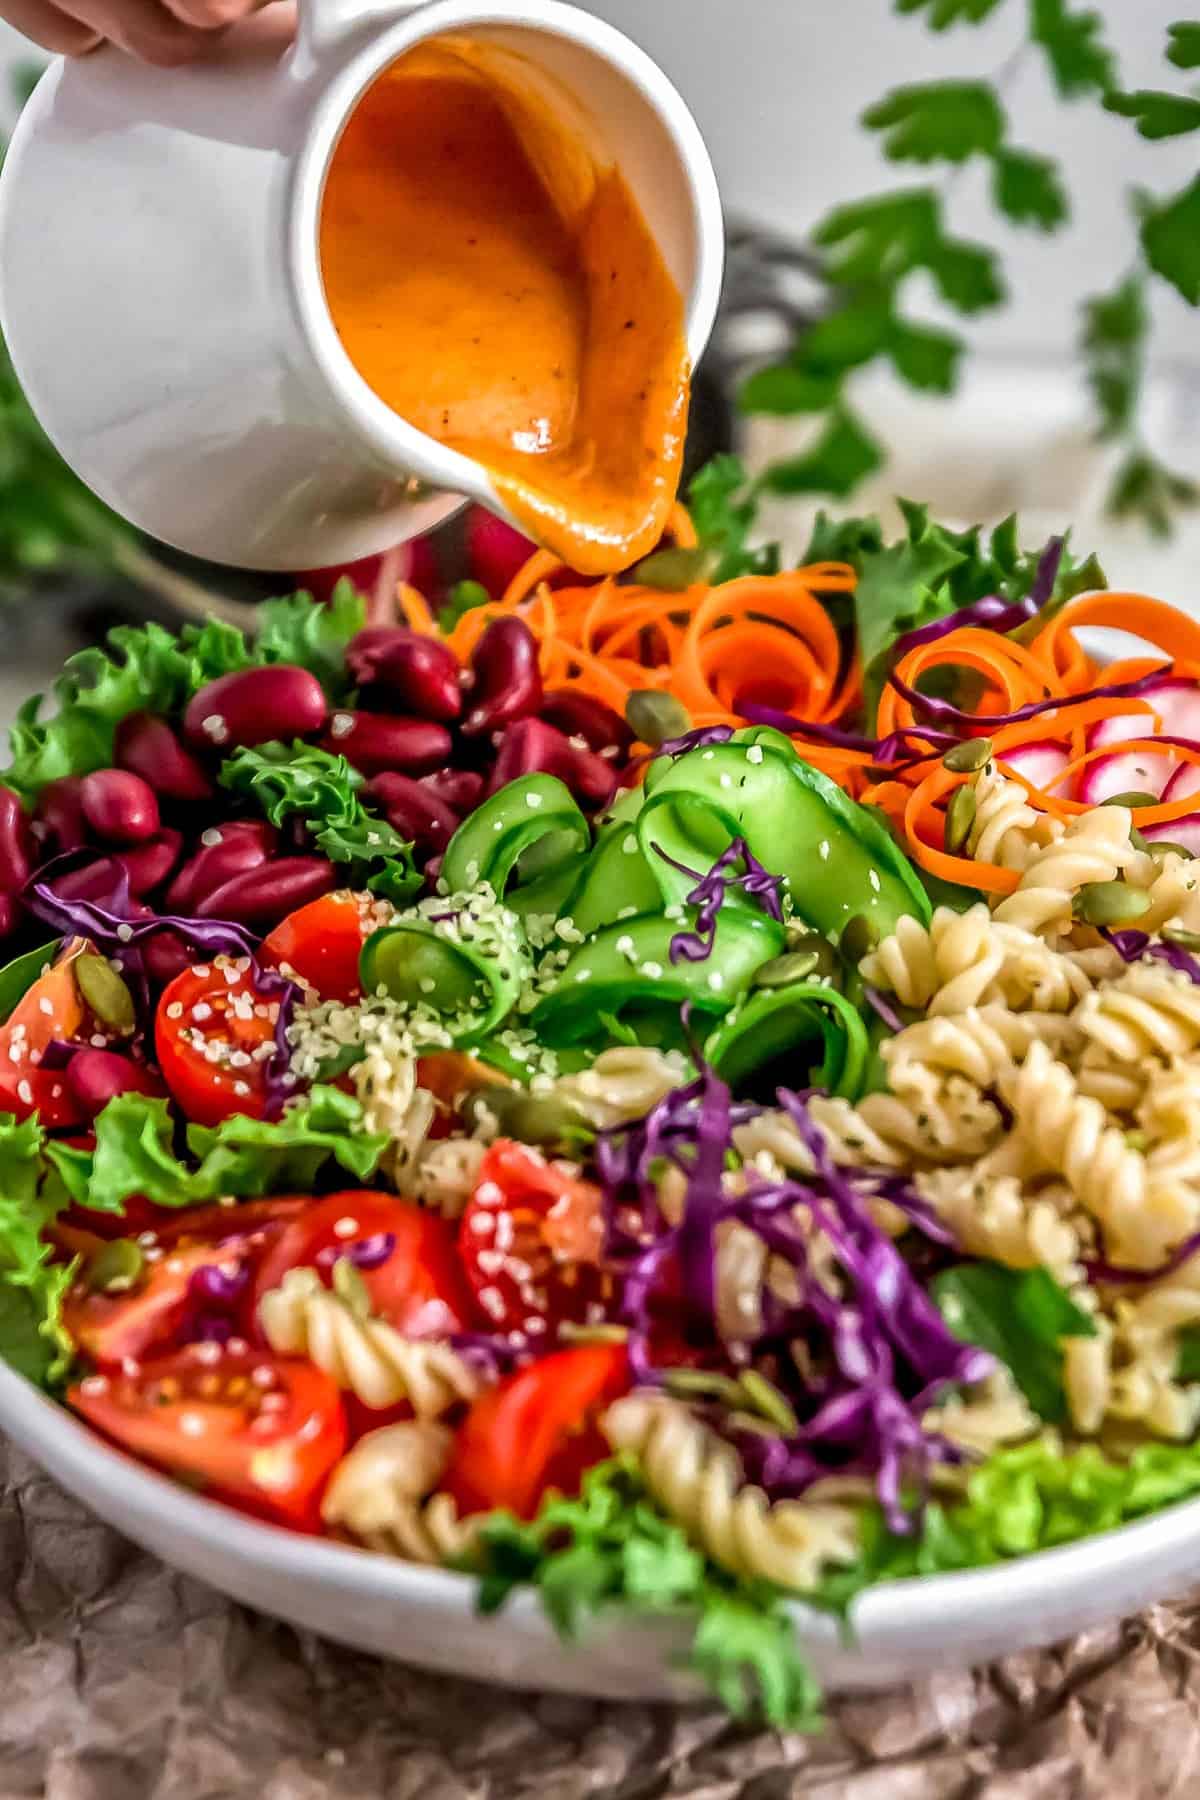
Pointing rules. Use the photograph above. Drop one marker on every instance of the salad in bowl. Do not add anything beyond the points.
(678, 1093)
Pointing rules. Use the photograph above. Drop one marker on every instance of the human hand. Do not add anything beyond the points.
(163, 32)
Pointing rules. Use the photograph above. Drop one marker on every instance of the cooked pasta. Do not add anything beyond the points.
(380, 1494)
(1006, 829)
(1095, 846)
(963, 960)
(366, 1356)
(697, 1479)
(983, 1043)
(622, 1084)
(993, 1216)
(1148, 1011)
(985, 1417)
(1127, 1373)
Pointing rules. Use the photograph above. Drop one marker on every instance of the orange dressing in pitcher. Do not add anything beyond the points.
(506, 297)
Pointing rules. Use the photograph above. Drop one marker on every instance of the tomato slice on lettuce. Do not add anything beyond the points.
(258, 1431)
(214, 1034)
(536, 1430)
(531, 1240)
(148, 1317)
(320, 944)
(406, 1257)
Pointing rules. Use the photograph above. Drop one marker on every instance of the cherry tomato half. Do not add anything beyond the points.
(416, 1284)
(112, 1327)
(256, 1430)
(214, 1033)
(536, 1430)
(52, 1008)
(531, 1239)
(320, 943)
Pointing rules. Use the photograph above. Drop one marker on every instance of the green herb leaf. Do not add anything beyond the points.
(611, 1548)
(1021, 1316)
(925, 358)
(1114, 336)
(301, 781)
(945, 13)
(784, 389)
(1029, 189)
(1171, 240)
(843, 456)
(858, 330)
(295, 629)
(880, 239)
(967, 275)
(1183, 44)
(1144, 488)
(242, 1157)
(463, 597)
(1080, 62)
(939, 121)
(723, 505)
(1158, 115)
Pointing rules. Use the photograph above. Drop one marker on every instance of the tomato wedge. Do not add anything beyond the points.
(52, 1008)
(259, 1431)
(320, 943)
(536, 1430)
(214, 1034)
(405, 1255)
(112, 1328)
(531, 1239)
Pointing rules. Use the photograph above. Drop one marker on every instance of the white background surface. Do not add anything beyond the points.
(778, 85)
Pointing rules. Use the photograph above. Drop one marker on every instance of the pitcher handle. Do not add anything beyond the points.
(323, 26)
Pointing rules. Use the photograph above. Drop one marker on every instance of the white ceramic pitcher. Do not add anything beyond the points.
(161, 293)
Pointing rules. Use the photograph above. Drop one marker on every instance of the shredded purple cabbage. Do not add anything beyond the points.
(711, 891)
(365, 1253)
(1099, 1269)
(882, 750)
(881, 1005)
(699, 739)
(1133, 945)
(993, 612)
(883, 1351)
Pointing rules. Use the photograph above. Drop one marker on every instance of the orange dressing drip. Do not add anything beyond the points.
(505, 296)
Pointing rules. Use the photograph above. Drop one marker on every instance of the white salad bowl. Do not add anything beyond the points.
(427, 1616)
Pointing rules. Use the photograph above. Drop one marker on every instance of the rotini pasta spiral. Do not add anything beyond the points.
(966, 959)
(983, 1043)
(623, 1083)
(1149, 1011)
(1096, 846)
(992, 1216)
(366, 1356)
(1126, 1374)
(1006, 829)
(377, 1494)
(985, 1417)
(696, 1478)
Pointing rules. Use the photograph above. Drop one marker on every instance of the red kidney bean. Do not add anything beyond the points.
(253, 706)
(415, 811)
(506, 683)
(166, 955)
(418, 670)
(531, 747)
(58, 820)
(120, 808)
(579, 715)
(376, 741)
(147, 746)
(261, 897)
(92, 881)
(16, 844)
(225, 851)
(10, 914)
(461, 789)
(94, 1077)
(149, 865)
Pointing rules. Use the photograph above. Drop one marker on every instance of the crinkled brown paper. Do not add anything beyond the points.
(120, 1680)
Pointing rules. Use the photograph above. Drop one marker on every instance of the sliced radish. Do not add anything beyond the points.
(1041, 764)
(1185, 780)
(1126, 772)
(1185, 831)
(1119, 727)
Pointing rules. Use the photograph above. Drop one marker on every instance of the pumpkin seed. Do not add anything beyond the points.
(530, 1118)
(1137, 840)
(115, 1267)
(350, 1288)
(700, 1384)
(1186, 940)
(969, 756)
(1110, 903)
(674, 569)
(765, 1398)
(106, 994)
(782, 971)
(592, 1334)
(1133, 798)
(859, 936)
(960, 816)
(1160, 847)
(654, 717)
